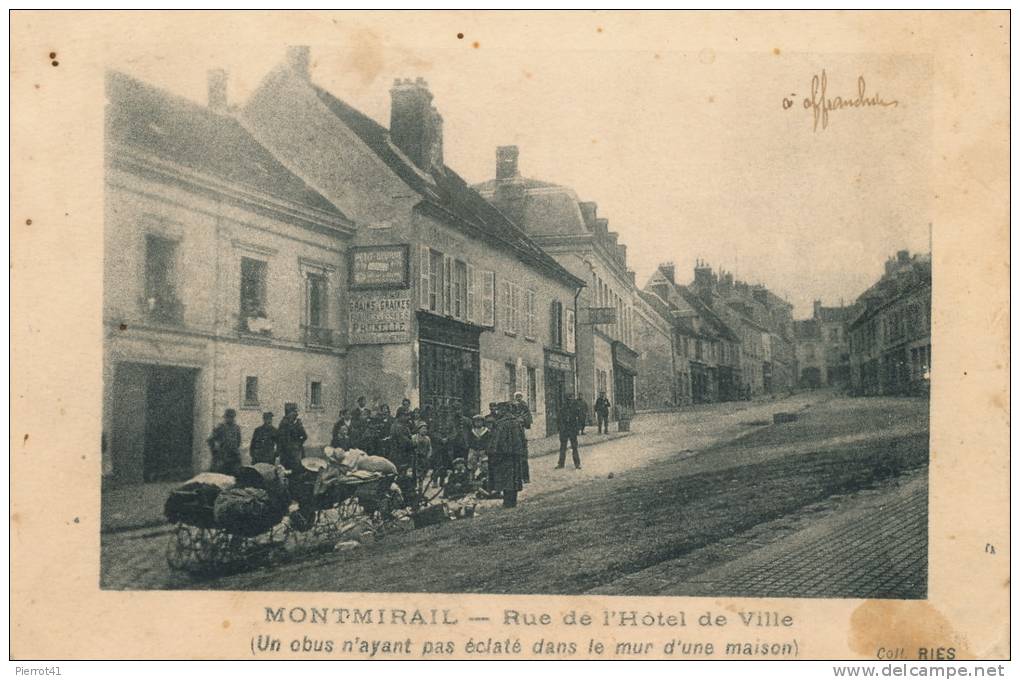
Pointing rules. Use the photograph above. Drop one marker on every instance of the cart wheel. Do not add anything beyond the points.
(179, 547)
(348, 509)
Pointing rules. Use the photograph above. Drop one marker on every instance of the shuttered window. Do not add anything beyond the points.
(556, 325)
(447, 285)
(488, 310)
(423, 276)
(470, 312)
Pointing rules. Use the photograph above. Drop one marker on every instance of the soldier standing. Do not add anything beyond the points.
(225, 444)
(291, 438)
(263, 441)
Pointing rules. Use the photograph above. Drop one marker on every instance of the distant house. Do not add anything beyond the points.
(823, 347)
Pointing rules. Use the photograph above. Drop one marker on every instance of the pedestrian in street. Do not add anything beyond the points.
(568, 426)
(342, 431)
(508, 456)
(291, 438)
(490, 417)
(401, 448)
(225, 444)
(404, 408)
(477, 442)
(263, 441)
(361, 410)
(602, 412)
(582, 410)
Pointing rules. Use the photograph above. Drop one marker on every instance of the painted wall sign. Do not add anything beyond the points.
(380, 267)
(602, 315)
(379, 317)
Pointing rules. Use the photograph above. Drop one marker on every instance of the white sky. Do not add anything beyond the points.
(688, 153)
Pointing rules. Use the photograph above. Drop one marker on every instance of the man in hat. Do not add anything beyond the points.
(263, 441)
(602, 412)
(568, 424)
(291, 438)
(225, 444)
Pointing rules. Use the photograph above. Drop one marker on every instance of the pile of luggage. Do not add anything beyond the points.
(251, 503)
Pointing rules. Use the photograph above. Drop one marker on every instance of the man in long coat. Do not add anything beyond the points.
(291, 438)
(569, 424)
(508, 455)
(225, 444)
(263, 441)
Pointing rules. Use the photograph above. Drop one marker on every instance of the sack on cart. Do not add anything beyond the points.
(192, 502)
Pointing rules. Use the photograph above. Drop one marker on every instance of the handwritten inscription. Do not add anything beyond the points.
(821, 105)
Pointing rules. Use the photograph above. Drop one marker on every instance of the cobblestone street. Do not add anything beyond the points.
(712, 501)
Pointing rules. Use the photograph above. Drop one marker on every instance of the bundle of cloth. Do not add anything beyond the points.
(192, 502)
(357, 463)
(341, 467)
(256, 503)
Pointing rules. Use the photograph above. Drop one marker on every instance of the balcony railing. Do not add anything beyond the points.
(255, 325)
(319, 337)
(163, 309)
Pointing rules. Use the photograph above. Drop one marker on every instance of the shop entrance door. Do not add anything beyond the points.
(555, 394)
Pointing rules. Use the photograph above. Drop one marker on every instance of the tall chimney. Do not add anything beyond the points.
(298, 58)
(415, 125)
(903, 256)
(818, 309)
(589, 212)
(506, 162)
(668, 270)
(216, 80)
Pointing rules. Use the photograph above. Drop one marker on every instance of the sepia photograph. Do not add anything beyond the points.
(617, 355)
(505, 334)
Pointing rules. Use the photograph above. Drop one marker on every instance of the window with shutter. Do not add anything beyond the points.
(515, 291)
(460, 289)
(556, 324)
(471, 294)
(506, 307)
(530, 319)
(569, 332)
(423, 276)
(488, 299)
(435, 281)
(447, 284)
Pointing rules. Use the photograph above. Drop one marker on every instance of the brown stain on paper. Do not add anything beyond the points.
(908, 624)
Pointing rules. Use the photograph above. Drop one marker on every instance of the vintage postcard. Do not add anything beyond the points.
(510, 335)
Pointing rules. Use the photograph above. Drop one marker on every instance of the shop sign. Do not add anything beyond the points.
(379, 317)
(558, 362)
(380, 267)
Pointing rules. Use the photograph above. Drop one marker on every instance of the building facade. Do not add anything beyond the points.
(223, 285)
(707, 351)
(890, 333)
(823, 347)
(449, 303)
(623, 346)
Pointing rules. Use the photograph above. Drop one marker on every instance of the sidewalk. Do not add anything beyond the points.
(140, 506)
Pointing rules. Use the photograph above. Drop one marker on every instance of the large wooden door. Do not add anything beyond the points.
(555, 394)
(169, 423)
(449, 379)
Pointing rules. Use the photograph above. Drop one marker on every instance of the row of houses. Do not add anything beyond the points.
(289, 248)
(879, 345)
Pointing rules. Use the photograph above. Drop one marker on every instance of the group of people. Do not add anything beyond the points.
(487, 453)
